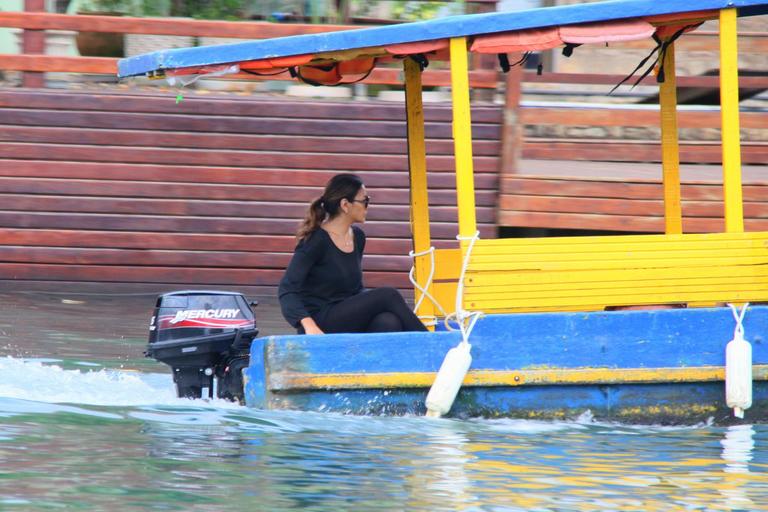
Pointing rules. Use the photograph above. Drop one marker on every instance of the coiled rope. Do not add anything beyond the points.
(465, 320)
(430, 320)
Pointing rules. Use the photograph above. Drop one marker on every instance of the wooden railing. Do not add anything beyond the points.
(484, 76)
(114, 187)
(33, 61)
(107, 189)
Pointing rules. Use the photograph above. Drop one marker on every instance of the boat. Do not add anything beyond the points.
(657, 328)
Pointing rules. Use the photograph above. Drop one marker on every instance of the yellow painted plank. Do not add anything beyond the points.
(627, 255)
(294, 381)
(618, 239)
(618, 243)
(447, 264)
(670, 151)
(598, 283)
(597, 307)
(600, 290)
(589, 273)
(555, 252)
(583, 264)
(462, 137)
(485, 279)
(505, 309)
(445, 295)
(629, 262)
(618, 300)
(729, 113)
(744, 248)
(621, 297)
(477, 283)
(417, 171)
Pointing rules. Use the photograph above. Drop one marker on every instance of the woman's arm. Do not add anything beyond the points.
(289, 291)
(310, 327)
(360, 248)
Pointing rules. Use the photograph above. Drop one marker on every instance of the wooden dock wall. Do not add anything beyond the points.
(598, 167)
(130, 192)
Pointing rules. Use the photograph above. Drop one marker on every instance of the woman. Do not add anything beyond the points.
(322, 289)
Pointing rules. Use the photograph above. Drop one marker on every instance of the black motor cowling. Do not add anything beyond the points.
(202, 335)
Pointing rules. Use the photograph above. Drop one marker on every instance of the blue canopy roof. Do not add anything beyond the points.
(455, 26)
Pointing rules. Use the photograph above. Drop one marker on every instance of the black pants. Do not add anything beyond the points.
(376, 310)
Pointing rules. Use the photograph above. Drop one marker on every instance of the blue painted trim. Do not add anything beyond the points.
(256, 392)
(455, 26)
(342, 353)
(633, 403)
(618, 339)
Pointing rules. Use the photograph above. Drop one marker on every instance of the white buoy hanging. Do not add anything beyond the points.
(448, 381)
(457, 361)
(738, 367)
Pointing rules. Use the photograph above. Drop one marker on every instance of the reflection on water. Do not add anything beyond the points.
(738, 445)
(155, 451)
(80, 431)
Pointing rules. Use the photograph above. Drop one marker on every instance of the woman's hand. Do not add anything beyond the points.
(310, 327)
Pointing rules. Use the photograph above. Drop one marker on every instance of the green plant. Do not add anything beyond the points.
(110, 6)
(406, 10)
(155, 8)
(201, 9)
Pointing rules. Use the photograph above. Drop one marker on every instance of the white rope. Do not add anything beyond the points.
(739, 317)
(464, 319)
(229, 70)
(461, 316)
(431, 320)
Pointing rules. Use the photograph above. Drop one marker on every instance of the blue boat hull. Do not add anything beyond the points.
(632, 366)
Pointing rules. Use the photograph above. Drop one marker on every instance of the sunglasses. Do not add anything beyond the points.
(366, 201)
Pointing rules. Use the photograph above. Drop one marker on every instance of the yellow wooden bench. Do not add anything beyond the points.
(595, 273)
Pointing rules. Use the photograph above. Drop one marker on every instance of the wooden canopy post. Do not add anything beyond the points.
(729, 114)
(462, 137)
(670, 149)
(512, 127)
(33, 42)
(417, 171)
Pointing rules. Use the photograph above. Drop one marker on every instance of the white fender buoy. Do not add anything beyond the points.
(456, 362)
(738, 369)
(448, 381)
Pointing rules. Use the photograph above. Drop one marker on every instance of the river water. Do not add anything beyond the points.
(87, 423)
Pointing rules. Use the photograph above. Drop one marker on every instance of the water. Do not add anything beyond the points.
(86, 423)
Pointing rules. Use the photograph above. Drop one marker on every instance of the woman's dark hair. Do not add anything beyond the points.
(342, 186)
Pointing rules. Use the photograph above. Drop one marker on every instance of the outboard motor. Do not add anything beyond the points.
(202, 335)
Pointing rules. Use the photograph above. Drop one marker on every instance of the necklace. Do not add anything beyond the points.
(345, 238)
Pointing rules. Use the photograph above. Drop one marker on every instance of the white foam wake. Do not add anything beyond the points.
(32, 380)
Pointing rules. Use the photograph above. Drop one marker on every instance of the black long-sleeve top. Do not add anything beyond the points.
(319, 276)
